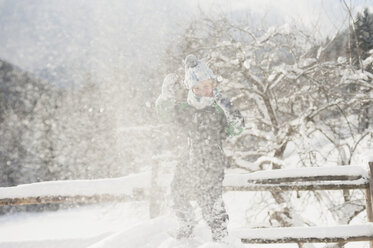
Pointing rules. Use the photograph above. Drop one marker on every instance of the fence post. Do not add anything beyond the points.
(154, 201)
(369, 197)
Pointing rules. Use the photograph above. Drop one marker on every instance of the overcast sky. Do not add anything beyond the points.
(324, 17)
(41, 34)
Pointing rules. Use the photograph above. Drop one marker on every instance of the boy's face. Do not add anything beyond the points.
(204, 88)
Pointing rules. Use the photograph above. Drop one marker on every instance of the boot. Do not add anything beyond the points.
(184, 231)
(219, 234)
(219, 228)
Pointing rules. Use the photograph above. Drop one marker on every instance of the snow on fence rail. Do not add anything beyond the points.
(315, 178)
(325, 234)
(134, 186)
(116, 189)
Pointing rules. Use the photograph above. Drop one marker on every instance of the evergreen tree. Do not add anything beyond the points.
(25, 114)
(361, 45)
(364, 33)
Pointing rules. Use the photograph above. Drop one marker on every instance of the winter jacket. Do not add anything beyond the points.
(205, 128)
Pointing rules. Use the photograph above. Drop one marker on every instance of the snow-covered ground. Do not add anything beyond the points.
(114, 225)
(76, 227)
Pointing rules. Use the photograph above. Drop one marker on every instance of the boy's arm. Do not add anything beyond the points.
(170, 111)
(235, 120)
(166, 102)
(165, 110)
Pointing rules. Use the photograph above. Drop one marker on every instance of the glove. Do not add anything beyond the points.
(167, 101)
(170, 86)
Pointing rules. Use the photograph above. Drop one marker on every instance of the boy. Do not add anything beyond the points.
(207, 119)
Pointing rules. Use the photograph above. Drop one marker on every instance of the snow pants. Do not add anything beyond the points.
(199, 178)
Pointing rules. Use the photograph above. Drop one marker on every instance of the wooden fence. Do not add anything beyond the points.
(139, 187)
(328, 178)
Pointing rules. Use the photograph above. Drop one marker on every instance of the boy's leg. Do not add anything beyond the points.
(181, 193)
(213, 209)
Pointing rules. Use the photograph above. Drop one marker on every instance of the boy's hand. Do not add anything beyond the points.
(170, 86)
(172, 97)
(166, 101)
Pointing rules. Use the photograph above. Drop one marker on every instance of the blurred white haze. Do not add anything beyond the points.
(79, 80)
(63, 41)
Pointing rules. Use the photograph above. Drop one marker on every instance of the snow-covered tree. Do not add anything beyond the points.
(280, 91)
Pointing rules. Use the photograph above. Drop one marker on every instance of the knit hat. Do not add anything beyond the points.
(196, 71)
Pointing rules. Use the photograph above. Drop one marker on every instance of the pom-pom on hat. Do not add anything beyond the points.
(196, 71)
